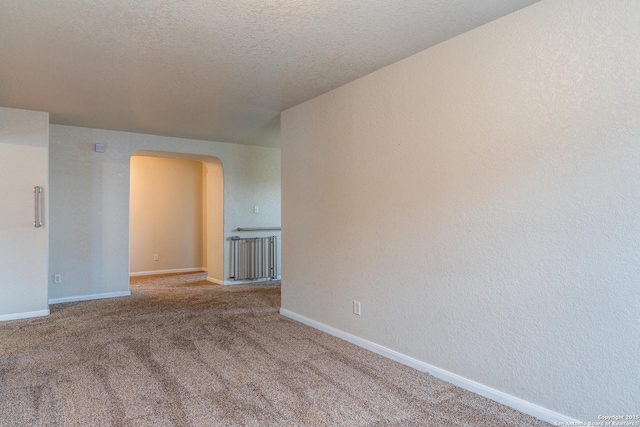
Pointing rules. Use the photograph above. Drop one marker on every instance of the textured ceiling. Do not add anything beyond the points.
(218, 70)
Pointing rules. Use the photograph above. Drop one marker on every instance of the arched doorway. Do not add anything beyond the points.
(176, 214)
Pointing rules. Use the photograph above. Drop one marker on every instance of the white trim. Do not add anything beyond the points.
(175, 270)
(24, 315)
(216, 281)
(90, 297)
(467, 384)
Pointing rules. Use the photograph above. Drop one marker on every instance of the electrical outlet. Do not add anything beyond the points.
(156, 257)
(57, 278)
(356, 308)
(256, 209)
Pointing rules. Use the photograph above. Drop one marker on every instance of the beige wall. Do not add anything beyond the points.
(89, 203)
(24, 146)
(166, 214)
(481, 199)
(213, 241)
(214, 249)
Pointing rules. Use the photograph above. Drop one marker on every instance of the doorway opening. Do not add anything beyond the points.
(176, 214)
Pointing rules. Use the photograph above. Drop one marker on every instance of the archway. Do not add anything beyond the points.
(201, 201)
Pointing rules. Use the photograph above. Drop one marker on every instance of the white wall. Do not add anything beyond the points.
(482, 200)
(24, 145)
(89, 204)
(166, 205)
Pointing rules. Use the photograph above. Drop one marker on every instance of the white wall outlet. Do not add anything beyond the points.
(156, 257)
(356, 308)
(57, 278)
(256, 209)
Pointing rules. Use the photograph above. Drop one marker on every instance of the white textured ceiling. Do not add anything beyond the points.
(218, 70)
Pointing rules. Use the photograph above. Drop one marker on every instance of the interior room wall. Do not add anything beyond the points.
(480, 199)
(24, 145)
(213, 247)
(89, 204)
(215, 242)
(166, 215)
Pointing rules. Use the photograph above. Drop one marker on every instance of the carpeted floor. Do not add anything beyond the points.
(183, 352)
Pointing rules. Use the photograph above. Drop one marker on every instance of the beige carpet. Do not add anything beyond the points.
(183, 352)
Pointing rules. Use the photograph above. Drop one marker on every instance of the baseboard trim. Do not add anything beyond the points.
(174, 270)
(516, 403)
(216, 281)
(90, 297)
(24, 315)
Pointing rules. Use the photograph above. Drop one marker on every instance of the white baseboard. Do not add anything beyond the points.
(175, 270)
(25, 315)
(467, 384)
(216, 281)
(90, 297)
